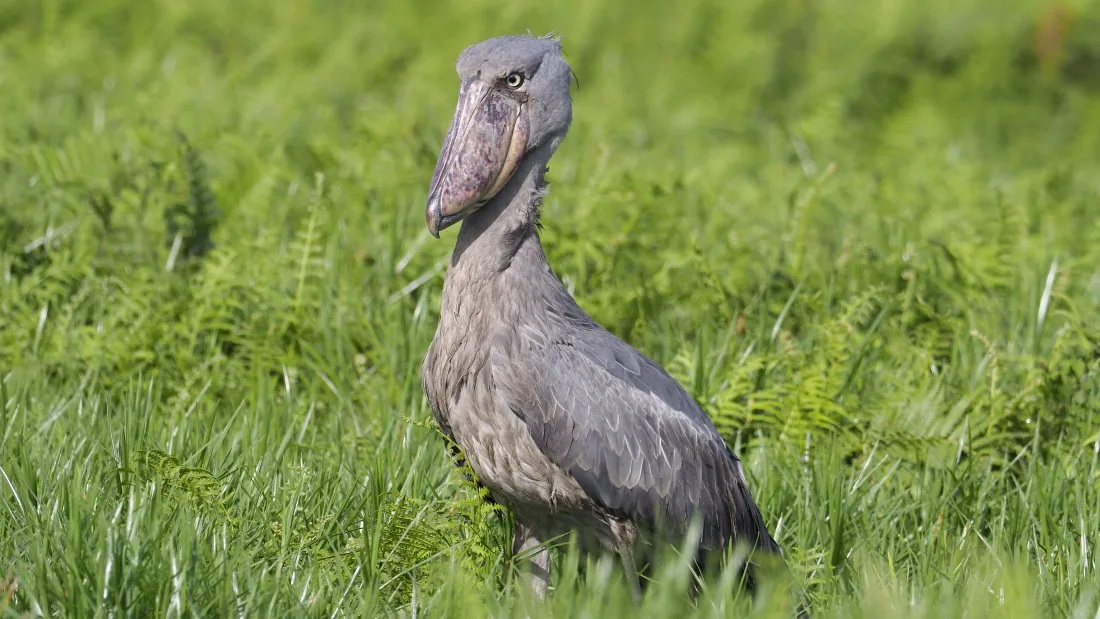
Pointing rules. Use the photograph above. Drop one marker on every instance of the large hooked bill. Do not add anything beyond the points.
(484, 145)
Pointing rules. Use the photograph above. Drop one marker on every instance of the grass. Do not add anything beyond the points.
(863, 234)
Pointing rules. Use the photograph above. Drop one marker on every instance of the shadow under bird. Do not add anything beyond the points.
(563, 422)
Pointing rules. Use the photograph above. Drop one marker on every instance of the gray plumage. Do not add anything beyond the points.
(562, 421)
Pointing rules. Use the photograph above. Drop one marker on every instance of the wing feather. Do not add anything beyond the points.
(636, 442)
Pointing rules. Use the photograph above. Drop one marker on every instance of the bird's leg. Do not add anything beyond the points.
(624, 535)
(626, 553)
(537, 575)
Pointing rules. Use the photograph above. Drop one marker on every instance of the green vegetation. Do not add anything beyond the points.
(865, 235)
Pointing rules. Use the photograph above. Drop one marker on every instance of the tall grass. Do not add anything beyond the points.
(863, 234)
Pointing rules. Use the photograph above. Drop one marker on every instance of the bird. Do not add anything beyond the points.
(564, 423)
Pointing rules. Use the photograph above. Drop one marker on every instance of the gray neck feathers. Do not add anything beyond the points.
(492, 237)
(498, 273)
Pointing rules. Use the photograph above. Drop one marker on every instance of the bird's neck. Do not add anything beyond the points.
(498, 270)
(503, 234)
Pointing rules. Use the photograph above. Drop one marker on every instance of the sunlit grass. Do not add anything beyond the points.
(863, 235)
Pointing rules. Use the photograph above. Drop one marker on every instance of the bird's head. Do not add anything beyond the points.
(513, 98)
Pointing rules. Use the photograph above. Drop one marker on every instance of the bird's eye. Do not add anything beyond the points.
(514, 80)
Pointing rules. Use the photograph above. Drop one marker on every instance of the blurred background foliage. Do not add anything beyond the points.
(863, 234)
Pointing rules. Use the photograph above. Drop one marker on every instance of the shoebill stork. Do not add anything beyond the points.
(564, 423)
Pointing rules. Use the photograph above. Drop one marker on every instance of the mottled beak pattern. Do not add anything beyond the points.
(484, 145)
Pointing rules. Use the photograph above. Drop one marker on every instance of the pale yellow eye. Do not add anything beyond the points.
(514, 80)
